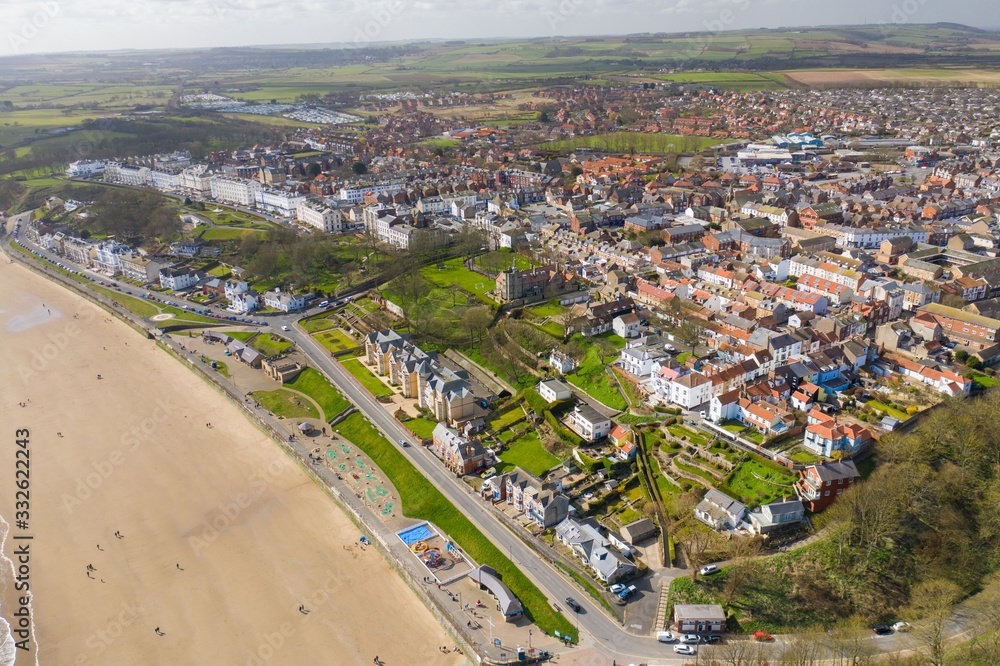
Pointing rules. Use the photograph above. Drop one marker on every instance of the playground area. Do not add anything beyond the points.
(353, 467)
(435, 552)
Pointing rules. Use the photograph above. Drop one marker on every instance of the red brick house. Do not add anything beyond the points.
(820, 485)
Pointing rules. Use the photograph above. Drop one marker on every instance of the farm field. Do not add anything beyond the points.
(847, 77)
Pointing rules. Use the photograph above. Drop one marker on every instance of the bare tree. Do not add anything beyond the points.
(850, 645)
(930, 609)
(744, 554)
(697, 541)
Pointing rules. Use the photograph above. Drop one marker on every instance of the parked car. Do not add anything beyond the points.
(882, 629)
(665, 637)
(712, 639)
(617, 587)
(571, 602)
(901, 626)
(627, 592)
(691, 639)
(684, 649)
(762, 636)
(703, 414)
(708, 569)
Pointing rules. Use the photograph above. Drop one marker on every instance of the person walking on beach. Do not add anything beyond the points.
(99, 548)
(179, 567)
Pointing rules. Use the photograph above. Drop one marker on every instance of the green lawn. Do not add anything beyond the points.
(286, 403)
(314, 385)
(666, 486)
(506, 418)
(136, 306)
(421, 500)
(365, 376)
(891, 411)
(335, 340)
(547, 310)
(553, 328)
(529, 454)
(984, 380)
(270, 344)
(757, 483)
(318, 324)
(591, 378)
(692, 436)
(224, 234)
(455, 273)
(422, 428)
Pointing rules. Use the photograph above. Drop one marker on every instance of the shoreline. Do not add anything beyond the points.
(330, 589)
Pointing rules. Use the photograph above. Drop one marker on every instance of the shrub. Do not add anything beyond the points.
(535, 401)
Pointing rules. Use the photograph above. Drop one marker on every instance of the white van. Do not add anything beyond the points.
(665, 637)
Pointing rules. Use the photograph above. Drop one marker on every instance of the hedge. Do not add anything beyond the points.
(535, 401)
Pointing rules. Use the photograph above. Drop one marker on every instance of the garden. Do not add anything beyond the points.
(528, 453)
(592, 378)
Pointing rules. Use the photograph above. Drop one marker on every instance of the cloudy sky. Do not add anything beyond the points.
(39, 26)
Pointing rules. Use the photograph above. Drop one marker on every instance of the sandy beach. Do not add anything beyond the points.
(221, 537)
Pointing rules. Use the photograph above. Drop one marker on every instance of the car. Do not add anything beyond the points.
(901, 626)
(284, 328)
(691, 639)
(708, 569)
(616, 588)
(324, 304)
(665, 637)
(626, 593)
(484, 404)
(882, 629)
(590, 496)
(703, 414)
(402, 442)
(571, 602)
(762, 636)
(714, 638)
(684, 649)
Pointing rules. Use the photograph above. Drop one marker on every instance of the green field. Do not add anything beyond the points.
(314, 385)
(635, 142)
(591, 377)
(136, 306)
(506, 419)
(224, 234)
(528, 453)
(286, 403)
(365, 376)
(421, 500)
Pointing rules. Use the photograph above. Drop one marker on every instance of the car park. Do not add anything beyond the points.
(684, 649)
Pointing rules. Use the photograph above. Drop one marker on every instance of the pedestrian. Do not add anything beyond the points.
(99, 547)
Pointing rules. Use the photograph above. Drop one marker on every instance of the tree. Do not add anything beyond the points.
(973, 363)
(930, 609)
(606, 349)
(411, 287)
(691, 332)
(961, 355)
(314, 169)
(359, 168)
(543, 116)
(697, 540)
(743, 553)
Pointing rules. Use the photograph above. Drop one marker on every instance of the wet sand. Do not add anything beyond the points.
(224, 537)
